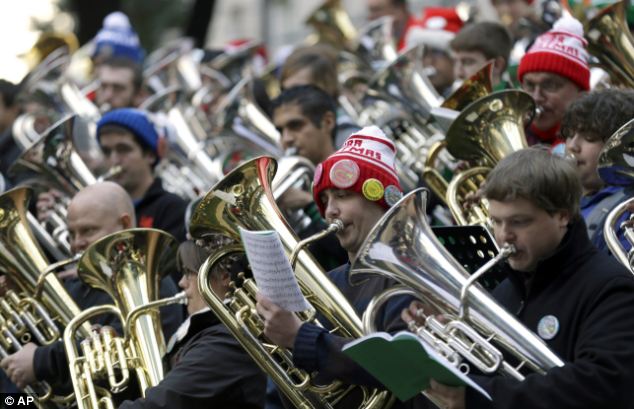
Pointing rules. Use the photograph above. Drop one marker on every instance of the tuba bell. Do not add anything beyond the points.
(485, 132)
(615, 169)
(403, 247)
(332, 25)
(128, 265)
(244, 199)
(610, 40)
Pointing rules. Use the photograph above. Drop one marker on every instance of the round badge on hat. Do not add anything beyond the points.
(392, 195)
(344, 173)
(372, 189)
(548, 327)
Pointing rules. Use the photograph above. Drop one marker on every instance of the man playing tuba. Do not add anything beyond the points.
(578, 300)
(356, 185)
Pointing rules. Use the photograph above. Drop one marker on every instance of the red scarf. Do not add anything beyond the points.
(549, 136)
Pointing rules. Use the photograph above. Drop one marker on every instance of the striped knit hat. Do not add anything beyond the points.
(562, 51)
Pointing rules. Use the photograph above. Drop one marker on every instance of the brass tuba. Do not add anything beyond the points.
(610, 40)
(486, 131)
(403, 247)
(616, 169)
(244, 199)
(128, 265)
(332, 25)
(40, 305)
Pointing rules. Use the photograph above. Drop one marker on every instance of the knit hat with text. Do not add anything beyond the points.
(562, 51)
(365, 164)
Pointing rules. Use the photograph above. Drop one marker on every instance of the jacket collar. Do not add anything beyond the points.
(155, 190)
(575, 248)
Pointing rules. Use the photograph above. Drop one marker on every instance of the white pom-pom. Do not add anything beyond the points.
(569, 24)
(116, 20)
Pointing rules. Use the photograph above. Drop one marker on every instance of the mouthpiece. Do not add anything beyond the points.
(335, 226)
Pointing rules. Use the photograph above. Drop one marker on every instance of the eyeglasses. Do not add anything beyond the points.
(548, 86)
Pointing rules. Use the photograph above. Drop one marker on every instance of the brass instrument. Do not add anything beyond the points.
(332, 25)
(615, 169)
(403, 247)
(244, 199)
(485, 132)
(128, 265)
(55, 160)
(475, 87)
(40, 305)
(610, 40)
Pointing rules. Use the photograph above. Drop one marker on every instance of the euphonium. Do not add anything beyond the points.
(40, 306)
(616, 169)
(128, 265)
(610, 40)
(475, 87)
(403, 247)
(244, 199)
(332, 25)
(486, 131)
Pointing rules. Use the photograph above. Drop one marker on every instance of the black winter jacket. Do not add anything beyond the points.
(162, 210)
(592, 298)
(211, 370)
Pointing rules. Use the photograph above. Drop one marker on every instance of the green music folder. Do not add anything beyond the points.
(404, 363)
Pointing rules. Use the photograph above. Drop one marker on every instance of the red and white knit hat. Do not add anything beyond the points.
(365, 164)
(562, 51)
(437, 28)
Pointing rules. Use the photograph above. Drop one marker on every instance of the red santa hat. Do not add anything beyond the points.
(437, 28)
(562, 51)
(365, 164)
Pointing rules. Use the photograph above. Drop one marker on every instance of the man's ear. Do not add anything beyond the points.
(328, 121)
(563, 217)
(126, 221)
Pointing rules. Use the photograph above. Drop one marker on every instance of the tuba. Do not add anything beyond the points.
(40, 305)
(485, 132)
(332, 25)
(615, 168)
(610, 40)
(244, 199)
(128, 265)
(403, 247)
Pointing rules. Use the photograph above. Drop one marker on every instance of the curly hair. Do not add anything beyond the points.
(600, 113)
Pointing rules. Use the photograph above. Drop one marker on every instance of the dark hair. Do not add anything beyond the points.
(312, 101)
(548, 181)
(191, 256)
(600, 113)
(321, 60)
(491, 39)
(125, 62)
(9, 92)
(119, 129)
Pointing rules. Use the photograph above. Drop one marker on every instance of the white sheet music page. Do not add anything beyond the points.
(272, 270)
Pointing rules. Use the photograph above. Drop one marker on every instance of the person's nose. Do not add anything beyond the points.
(538, 95)
(182, 283)
(504, 234)
(287, 139)
(78, 244)
(572, 144)
(332, 210)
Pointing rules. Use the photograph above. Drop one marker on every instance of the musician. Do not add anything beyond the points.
(208, 367)
(317, 65)
(437, 29)
(555, 72)
(120, 82)
(577, 299)
(356, 184)
(477, 44)
(129, 139)
(586, 126)
(305, 117)
(94, 212)
(399, 11)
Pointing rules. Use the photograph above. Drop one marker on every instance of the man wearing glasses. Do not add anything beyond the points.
(555, 72)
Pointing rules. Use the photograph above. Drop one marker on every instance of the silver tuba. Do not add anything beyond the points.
(403, 247)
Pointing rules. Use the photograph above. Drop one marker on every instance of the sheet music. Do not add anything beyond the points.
(272, 270)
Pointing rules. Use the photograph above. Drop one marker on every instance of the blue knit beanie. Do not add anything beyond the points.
(117, 38)
(134, 120)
